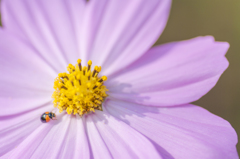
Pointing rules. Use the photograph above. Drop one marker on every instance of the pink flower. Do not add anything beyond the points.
(147, 112)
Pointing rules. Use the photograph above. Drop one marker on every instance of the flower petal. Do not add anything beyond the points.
(21, 87)
(15, 106)
(131, 29)
(6, 155)
(18, 66)
(7, 121)
(27, 147)
(122, 30)
(120, 139)
(61, 139)
(15, 128)
(98, 146)
(183, 132)
(56, 136)
(172, 74)
(14, 135)
(76, 144)
(51, 26)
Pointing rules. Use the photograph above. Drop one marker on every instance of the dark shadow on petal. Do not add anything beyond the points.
(119, 87)
(161, 151)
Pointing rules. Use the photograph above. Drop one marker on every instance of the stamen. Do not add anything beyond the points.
(84, 70)
(98, 70)
(64, 87)
(89, 64)
(104, 78)
(79, 64)
(94, 71)
(89, 75)
(80, 91)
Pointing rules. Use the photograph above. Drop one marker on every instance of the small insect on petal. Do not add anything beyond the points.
(45, 117)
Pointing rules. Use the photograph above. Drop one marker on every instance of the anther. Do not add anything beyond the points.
(84, 70)
(98, 102)
(104, 78)
(95, 70)
(64, 75)
(70, 68)
(79, 64)
(79, 79)
(89, 64)
(60, 75)
(64, 87)
(98, 70)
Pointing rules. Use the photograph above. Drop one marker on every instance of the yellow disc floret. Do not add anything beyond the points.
(79, 91)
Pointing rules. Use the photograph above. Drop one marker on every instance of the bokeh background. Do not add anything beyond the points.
(220, 18)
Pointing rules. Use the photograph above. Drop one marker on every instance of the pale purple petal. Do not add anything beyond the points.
(15, 106)
(172, 74)
(183, 132)
(55, 136)
(51, 26)
(6, 155)
(13, 118)
(118, 32)
(26, 80)
(58, 139)
(120, 139)
(21, 68)
(131, 29)
(98, 146)
(76, 143)
(14, 135)
(29, 145)
(16, 128)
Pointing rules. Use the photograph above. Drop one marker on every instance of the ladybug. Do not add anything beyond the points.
(45, 117)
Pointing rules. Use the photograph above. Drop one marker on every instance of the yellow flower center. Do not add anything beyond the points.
(79, 91)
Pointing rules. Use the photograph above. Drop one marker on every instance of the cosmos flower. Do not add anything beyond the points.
(118, 97)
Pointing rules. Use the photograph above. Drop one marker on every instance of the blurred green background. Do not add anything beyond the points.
(220, 18)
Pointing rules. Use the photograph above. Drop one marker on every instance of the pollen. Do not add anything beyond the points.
(79, 91)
